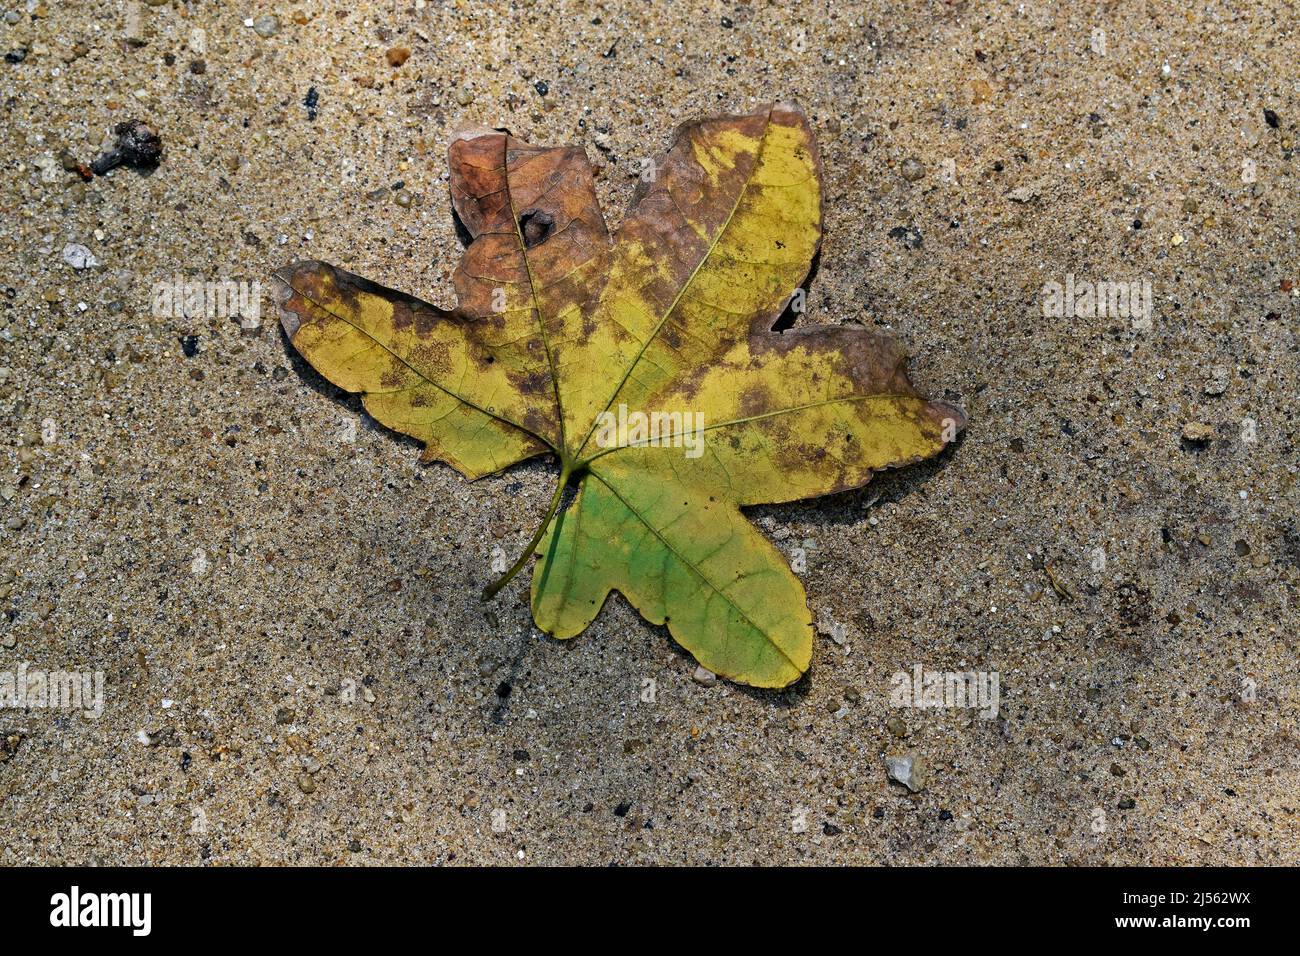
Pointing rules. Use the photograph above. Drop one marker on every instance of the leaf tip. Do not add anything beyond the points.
(284, 287)
(789, 107)
(471, 132)
(951, 418)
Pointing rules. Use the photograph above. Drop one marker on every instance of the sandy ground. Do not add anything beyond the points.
(283, 603)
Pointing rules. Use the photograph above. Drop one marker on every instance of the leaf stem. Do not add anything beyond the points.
(491, 590)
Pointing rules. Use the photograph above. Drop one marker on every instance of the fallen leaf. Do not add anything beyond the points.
(564, 331)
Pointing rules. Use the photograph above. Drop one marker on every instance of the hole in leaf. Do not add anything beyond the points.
(536, 227)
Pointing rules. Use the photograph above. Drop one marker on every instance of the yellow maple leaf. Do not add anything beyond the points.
(648, 364)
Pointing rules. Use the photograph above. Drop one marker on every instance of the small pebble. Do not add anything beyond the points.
(78, 256)
(912, 169)
(464, 97)
(704, 677)
(1218, 381)
(266, 25)
(908, 770)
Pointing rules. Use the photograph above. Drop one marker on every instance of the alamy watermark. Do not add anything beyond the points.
(130, 910)
(655, 429)
(946, 689)
(1084, 299)
(179, 298)
(29, 687)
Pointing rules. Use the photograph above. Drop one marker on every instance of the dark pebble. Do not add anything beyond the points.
(190, 345)
(910, 236)
(542, 87)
